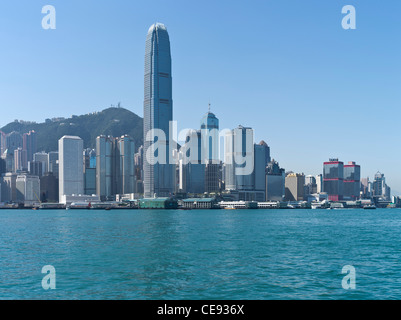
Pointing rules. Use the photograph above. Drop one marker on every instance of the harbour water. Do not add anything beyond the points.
(200, 254)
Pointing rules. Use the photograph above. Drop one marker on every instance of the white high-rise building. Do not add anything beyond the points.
(71, 168)
(28, 189)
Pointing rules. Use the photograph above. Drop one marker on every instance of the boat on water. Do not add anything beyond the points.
(230, 208)
(79, 205)
(370, 207)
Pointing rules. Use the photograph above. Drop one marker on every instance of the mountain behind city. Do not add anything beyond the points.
(114, 121)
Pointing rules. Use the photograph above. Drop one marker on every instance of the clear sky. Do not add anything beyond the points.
(286, 68)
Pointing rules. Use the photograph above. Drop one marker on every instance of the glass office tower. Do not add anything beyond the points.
(158, 111)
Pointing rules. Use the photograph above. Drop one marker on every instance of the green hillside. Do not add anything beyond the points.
(112, 121)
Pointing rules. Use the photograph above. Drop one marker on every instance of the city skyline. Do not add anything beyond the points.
(338, 72)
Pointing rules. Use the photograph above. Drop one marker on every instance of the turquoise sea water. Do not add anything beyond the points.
(200, 254)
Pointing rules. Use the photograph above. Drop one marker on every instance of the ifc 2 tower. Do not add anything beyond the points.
(158, 112)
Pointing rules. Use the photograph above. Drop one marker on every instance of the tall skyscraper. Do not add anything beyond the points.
(29, 144)
(53, 163)
(352, 181)
(20, 160)
(210, 151)
(159, 179)
(126, 150)
(14, 141)
(71, 171)
(104, 165)
(3, 142)
(115, 172)
(239, 148)
(191, 169)
(333, 179)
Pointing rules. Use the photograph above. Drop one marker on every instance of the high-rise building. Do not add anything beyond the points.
(352, 181)
(8, 187)
(20, 160)
(115, 166)
(333, 176)
(310, 185)
(14, 141)
(380, 189)
(28, 189)
(8, 158)
(294, 187)
(261, 156)
(191, 169)
(43, 158)
(29, 144)
(104, 167)
(159, 178)
(319, 183)
(243, 162)
(210, 152)
(239, 154)
(210, 138)
(275, 182)
(49, 188)
(53, 163)
(3, 142)
(126, 152)
(71, 173)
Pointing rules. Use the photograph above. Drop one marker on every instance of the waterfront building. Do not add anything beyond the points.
(49, 188)
(85, 200)
(159, 178)
(8, 187)
(352, 181)
(239, 157)
(191, 169)
(104, 167)
(158, 203)
(294, 187)
(333, 176)
(381, 191)
(126, 153)
(71, 178)
(27, 189)
(90, 181)
(213, 177)
(115, 171)
(275, 182)
(261, 160)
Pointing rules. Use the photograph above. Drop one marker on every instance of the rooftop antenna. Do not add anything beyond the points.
(209, 106)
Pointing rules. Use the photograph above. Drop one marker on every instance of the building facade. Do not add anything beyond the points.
(333, 179)
(159, 178)
(71, 173)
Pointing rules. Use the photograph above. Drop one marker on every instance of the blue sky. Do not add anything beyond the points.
(309, 88)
